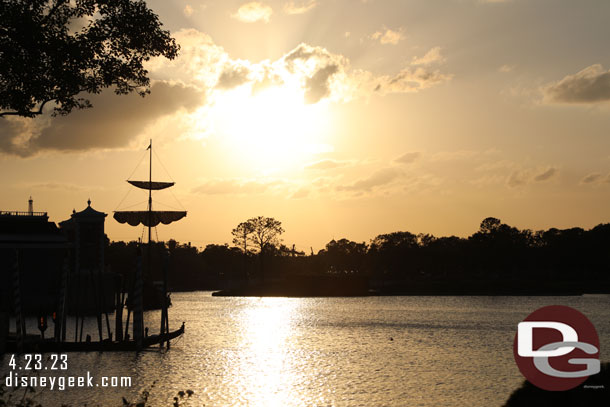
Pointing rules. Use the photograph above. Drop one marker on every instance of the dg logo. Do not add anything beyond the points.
(556, 348)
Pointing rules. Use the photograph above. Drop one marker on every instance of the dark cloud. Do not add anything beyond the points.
(408, 158)
(411, 80)
(317, 87)
(320, 66)
(523, 177)
(12, 130)
(591, 178)
(233, 76)
(112, 122)
(379, 178)
(306, 52)
(590, 85)
(545, 175)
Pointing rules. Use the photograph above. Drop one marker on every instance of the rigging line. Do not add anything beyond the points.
(157, 233)
(129, 188)
(137, 166)
(125, 197)
(136, 204)
(179, 203)
(164, 204)
(163, 166)
(171, 178)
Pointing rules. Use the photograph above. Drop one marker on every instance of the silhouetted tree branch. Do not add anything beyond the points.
(54, 50)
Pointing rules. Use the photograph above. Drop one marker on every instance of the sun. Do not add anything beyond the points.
(272, 129)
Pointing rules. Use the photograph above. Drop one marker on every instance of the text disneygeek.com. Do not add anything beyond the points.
(26, 372)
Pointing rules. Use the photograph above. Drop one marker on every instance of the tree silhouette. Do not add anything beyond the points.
(55, 50)
(265, 232)
(241, 235)
(241, 238)
(343, 256)
(262, 232)
(490, 225)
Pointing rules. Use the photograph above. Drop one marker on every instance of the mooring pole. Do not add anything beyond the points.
(19, 322)
(77, 300)
(61, 309)
(118, 319)
(138, 304)
(126, 333)
(96, 302)
(164, 314)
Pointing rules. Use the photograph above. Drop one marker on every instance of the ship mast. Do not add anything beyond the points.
(149, 218)
(149, 199)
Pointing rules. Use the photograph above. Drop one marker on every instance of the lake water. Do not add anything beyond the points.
(372, 351)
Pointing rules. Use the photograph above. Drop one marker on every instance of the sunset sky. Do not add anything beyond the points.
(343, 118)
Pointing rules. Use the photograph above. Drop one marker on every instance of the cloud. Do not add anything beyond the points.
(235, 187)
(200, 61)
(545, 175)
(113, 122)
(253, 12)
(60, 186)
(432, 56)
(300, 7)
(326, 165)
(15, 133)
(232, 76)
(506, 68)
(317, 87)
(520, 178)
(195, 80)
(517, 179)
(301, 193)
(411, 80)
(591, 178)
(388, 36)
(595, 178)
(463, 155)
(317, 72)
(188, 10)
(307, 58)
(408, 158)
(590, 85)
(317, 67)
(379, 178)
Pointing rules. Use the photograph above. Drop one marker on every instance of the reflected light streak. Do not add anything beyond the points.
(266, 375)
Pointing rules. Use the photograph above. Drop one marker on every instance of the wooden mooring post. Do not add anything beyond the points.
(19, 321)
(138, 303)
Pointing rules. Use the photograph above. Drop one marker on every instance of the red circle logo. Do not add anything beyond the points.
(556, 348)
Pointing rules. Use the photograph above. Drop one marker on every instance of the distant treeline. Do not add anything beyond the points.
(497, 258)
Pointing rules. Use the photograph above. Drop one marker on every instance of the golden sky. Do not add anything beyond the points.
(343, 118)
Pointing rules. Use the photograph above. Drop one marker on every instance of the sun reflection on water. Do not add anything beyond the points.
(265, 374)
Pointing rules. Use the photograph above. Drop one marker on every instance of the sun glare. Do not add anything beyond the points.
(272, 129)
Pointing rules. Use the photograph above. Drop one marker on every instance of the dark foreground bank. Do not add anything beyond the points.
(595, 391)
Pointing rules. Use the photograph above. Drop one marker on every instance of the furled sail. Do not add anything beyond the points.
(151, 185)
(146, 218)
